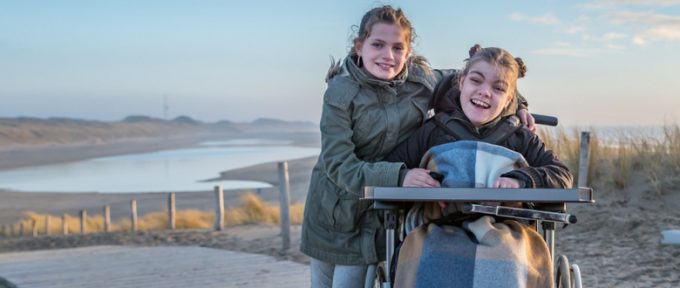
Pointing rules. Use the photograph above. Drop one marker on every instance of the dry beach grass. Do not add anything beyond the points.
(253, 210)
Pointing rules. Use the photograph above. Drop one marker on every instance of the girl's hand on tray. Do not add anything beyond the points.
(419, 177)
(505, 182)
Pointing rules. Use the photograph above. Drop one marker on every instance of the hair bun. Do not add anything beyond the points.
(521, 68)
(475, 49)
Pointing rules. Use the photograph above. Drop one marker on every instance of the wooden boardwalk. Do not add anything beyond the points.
(123, 266)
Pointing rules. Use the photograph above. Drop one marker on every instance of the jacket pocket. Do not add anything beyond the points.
(346, 215)
(340, 212)
(328, 201)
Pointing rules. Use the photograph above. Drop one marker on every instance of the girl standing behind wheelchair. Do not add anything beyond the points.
(376, 97)
(478, 105)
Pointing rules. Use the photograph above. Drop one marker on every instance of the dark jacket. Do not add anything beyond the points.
(363, 119)
(545, 170)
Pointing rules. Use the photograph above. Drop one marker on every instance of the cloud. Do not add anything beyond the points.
(665, 32)
(611, 36)
(575, 29)
(563, 49)
(661, 3)
(656, 27)
(578, 25)
(546, 19)
(648, 18)
(559, 51)
(639, 40)
(606, 41)
(566, 49)
(611, 46)
(609, 40)
(608, 4)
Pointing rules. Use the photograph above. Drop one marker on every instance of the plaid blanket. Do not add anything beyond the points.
(480, 253)
(464, 164)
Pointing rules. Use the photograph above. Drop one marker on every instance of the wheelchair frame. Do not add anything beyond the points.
(552, 204)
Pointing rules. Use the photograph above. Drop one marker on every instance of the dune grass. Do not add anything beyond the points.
(613, 162)
(567, 146)
(252, 210)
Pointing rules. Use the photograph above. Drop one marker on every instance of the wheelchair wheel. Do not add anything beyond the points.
(563, 275)
(576, 273)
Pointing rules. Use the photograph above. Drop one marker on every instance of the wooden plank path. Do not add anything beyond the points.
(124, 266)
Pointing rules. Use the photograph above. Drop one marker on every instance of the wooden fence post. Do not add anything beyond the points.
(171, 211)
(107, 219)
(284, 203)
(4, 230)
(34, 228)
(21, 229)
(219, 208)
(133, 215)
(11, 230)
(83, 219)
(47, 224)
(64, 225)
(584, 160)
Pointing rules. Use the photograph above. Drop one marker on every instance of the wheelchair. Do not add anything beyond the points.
(549, 210)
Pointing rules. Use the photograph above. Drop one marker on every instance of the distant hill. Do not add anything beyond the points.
(27, 131)
(186, 120)
(141, 119)
(276, 125)
(272, 121)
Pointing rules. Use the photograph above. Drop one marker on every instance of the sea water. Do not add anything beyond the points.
(670, 237)
(162, 171)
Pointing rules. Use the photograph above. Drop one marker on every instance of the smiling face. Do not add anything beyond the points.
(484, 92)
(384, 51)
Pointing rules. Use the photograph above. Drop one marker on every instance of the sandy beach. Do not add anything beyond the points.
(616, 241)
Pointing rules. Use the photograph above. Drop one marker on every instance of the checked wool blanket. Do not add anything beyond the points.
(479, 253)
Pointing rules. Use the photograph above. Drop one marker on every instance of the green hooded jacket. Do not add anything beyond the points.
(363, 119)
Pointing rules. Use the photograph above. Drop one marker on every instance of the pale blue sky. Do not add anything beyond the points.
(590, 62)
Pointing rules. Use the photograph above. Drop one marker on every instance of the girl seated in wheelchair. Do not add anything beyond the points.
(478, 104)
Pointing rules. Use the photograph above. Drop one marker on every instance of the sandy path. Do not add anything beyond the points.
(261, 239)
(125, 266)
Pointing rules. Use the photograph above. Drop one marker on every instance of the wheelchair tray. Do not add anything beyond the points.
(539, 195)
